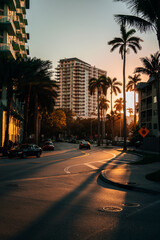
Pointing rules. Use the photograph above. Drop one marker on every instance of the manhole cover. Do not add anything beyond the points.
(131, 204)
(111, 209)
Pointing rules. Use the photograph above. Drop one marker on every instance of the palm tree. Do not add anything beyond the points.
(103, 105)
(99, 85)
(127, 41)
(114, 86)
(130, 110)
(119, 106)
(131, 86)
(34, 72)
(43, 97)
(146, 15)
(151, 67)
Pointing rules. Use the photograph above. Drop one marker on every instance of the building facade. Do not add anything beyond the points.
(13, 40)
(72, 75)
(148, 106)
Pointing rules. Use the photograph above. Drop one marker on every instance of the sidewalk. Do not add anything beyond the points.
(130, 176)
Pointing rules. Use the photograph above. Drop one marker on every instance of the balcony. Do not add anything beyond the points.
(23, 9)
(25, 21)
(22, 46)
(24, 36)
(17, 22)
(6, 24)
(18, 3)
(7, 50)
(16, 45)
(27, 4)
(20, 14)
(24, 54)
(19, 34)
(11, 4)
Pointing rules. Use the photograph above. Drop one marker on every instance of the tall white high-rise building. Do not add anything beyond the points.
(72, 75)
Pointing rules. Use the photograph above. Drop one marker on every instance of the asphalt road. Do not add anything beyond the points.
(60, 197)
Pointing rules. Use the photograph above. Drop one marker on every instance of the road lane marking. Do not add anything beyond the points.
(66, 170)
(91, 166)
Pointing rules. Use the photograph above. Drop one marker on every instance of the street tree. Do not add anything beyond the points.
(131, 86)
(35, 73)
(146, 15)
(42, 98)
(130, 110)
(119, 107)
(99, 85)
(114, 86)
(104, 106)
(124, 43)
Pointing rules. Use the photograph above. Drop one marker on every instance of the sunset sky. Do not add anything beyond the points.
(82, 28)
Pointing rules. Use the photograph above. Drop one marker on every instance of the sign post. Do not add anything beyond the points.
(143, 131)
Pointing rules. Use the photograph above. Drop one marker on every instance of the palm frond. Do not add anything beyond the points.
(132, 47)
(143, 70)
(116, 40)
(141, 24)
(121, 51)
(115, 46)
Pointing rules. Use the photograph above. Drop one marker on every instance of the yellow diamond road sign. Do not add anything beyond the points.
(143, 131)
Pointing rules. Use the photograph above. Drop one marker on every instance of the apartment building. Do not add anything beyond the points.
(148, 106)
(13, 40)
(13, 36)
(72, 75)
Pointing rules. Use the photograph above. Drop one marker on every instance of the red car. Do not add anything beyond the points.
(48, 146)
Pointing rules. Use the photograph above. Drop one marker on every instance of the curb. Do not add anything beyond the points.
(127, 186)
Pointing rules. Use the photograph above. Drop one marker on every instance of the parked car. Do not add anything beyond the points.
(25, 150)
(84, 144)
(48, 146)
(73, 140)
(138, 144)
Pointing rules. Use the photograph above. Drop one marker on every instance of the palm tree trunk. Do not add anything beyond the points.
(36, 122)
(98, 143)
(120, 125)
(112, 120)
(111, 100)
(134, 107)
(124, 100)
(26, 111)
(158, 110)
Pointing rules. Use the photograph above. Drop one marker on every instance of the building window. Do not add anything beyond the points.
(154, 85)
(155, 99)
(154, 112)
(1, 9)
(155, 126)
(1, 37)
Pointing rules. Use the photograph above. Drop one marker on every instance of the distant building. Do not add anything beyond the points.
(148, 106)
(72, 75)
(13, 39)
